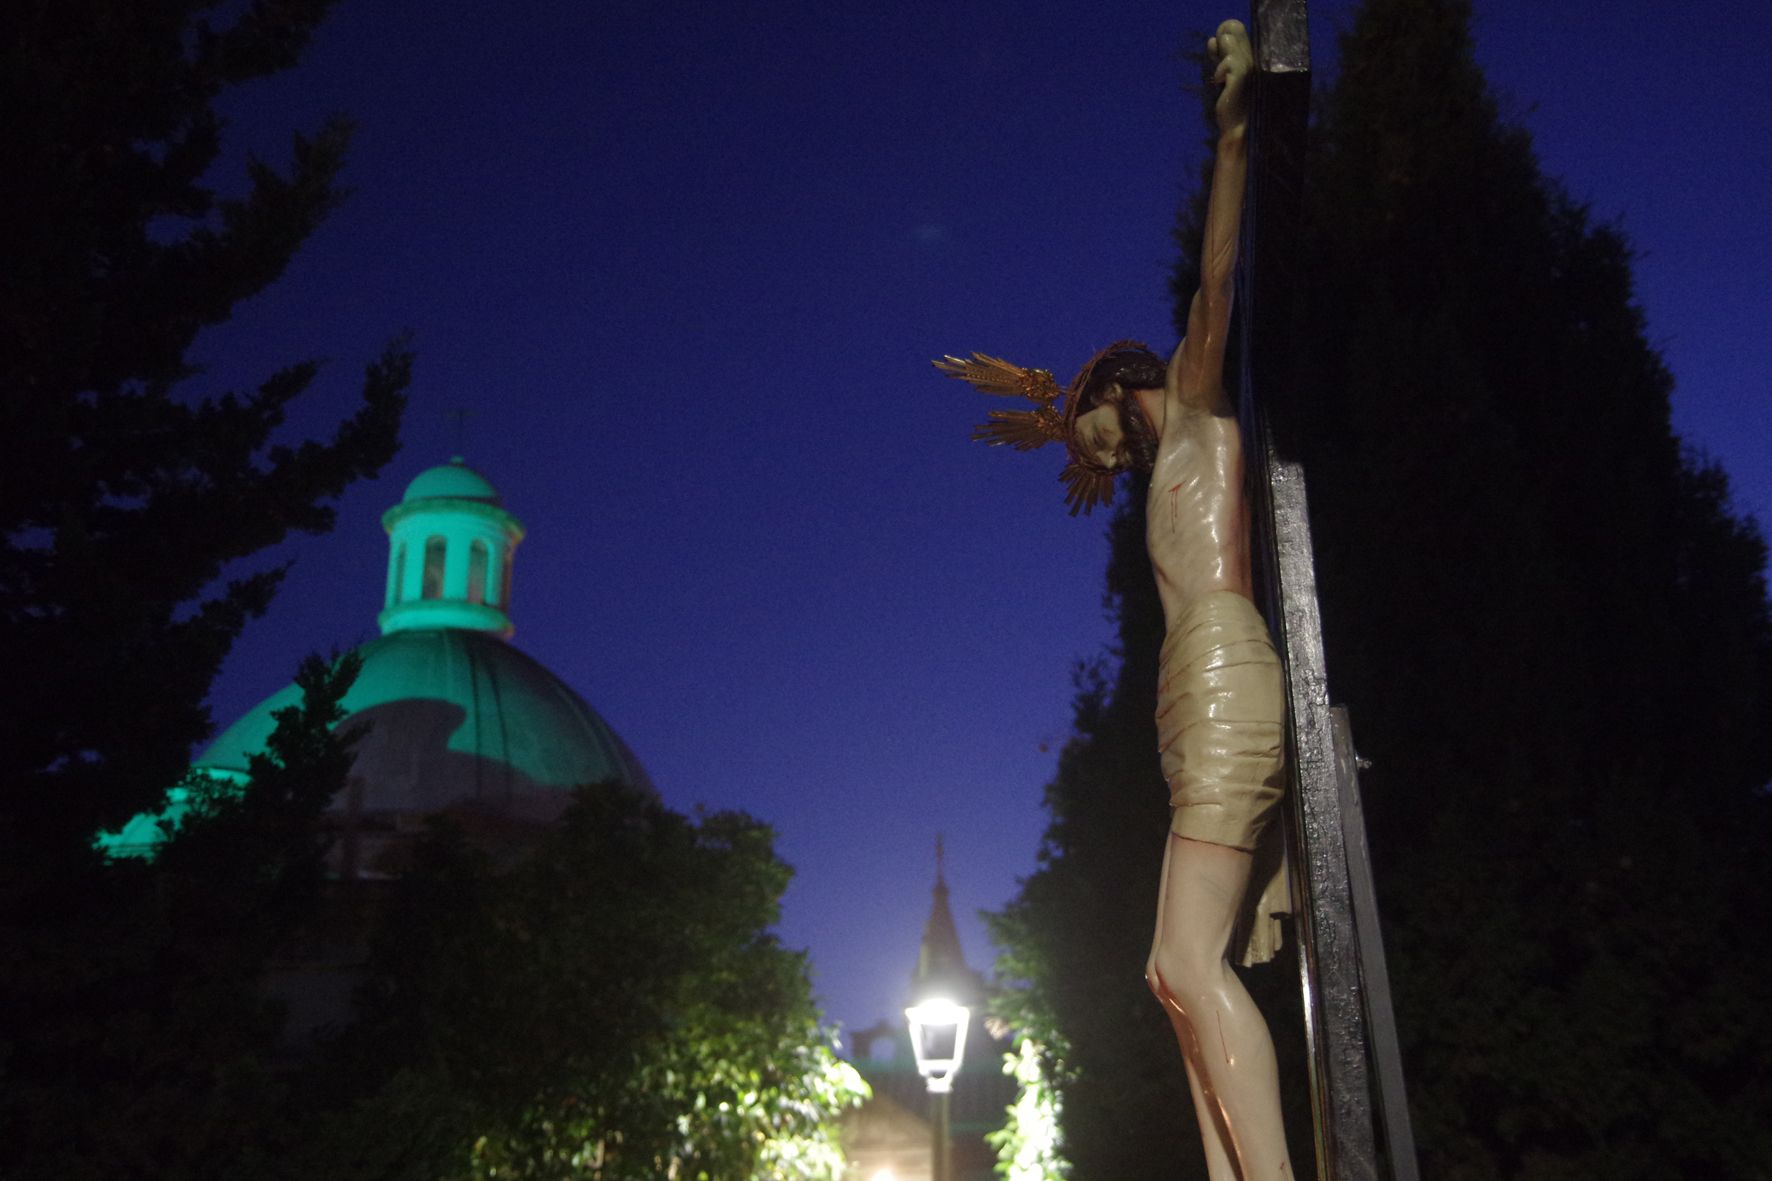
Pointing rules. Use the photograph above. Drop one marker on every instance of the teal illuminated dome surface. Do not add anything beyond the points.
(458, 720)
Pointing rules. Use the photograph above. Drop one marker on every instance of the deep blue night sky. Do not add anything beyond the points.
(686, 265)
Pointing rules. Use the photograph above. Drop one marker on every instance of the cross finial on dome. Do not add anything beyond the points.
(460, 414)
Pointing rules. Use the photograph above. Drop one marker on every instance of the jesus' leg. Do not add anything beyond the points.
(1221, 1031)
(1213, 1133)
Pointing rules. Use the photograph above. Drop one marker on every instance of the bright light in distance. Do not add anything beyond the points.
(884, 1175)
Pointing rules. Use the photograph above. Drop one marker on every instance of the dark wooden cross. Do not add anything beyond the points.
(1361, 1113)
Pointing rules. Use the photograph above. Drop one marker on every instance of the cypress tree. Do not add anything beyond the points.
(1552, 632)
(136, 1037)
(126, 494)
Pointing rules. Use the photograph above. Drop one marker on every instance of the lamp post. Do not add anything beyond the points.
(938, 1038)
(941, 990)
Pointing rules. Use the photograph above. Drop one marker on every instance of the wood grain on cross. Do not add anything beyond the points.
(1346, 991)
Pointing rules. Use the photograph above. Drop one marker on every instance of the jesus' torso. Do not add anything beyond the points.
(1196, 516)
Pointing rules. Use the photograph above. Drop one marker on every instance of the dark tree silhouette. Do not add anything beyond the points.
(139, 1042)
(135, 1036)
(123, 499)
(1553, 635)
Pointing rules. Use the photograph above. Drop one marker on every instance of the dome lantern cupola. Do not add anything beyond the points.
(455, 719)
(450, 543)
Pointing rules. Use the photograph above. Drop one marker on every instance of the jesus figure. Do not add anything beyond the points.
(1220, 708)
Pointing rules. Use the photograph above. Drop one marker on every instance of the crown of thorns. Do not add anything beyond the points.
(1053, 418)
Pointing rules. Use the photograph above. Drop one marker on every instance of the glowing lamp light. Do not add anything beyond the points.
(938, 1038)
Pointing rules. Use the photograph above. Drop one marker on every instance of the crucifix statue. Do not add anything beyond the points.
(1221, 700)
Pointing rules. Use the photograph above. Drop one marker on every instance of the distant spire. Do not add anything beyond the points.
(941, 963)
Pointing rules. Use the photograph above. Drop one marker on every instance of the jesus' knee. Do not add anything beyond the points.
(1153, 981)
(1181, 975)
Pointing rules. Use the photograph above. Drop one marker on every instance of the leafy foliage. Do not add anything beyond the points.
(1553, 636)
(1029, 1145)
(139, 1041)
(612, 1007)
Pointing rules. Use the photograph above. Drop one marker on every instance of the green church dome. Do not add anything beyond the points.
(454, 480)
(458, 720)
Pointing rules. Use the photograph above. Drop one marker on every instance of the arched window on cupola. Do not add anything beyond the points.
(478, 556)
(399, 592)
(432, 587)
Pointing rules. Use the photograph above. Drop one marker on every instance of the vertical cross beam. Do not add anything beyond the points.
(1335, 953)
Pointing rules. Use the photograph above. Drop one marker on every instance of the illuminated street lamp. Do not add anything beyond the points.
(938, 1037)
(942, 990)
